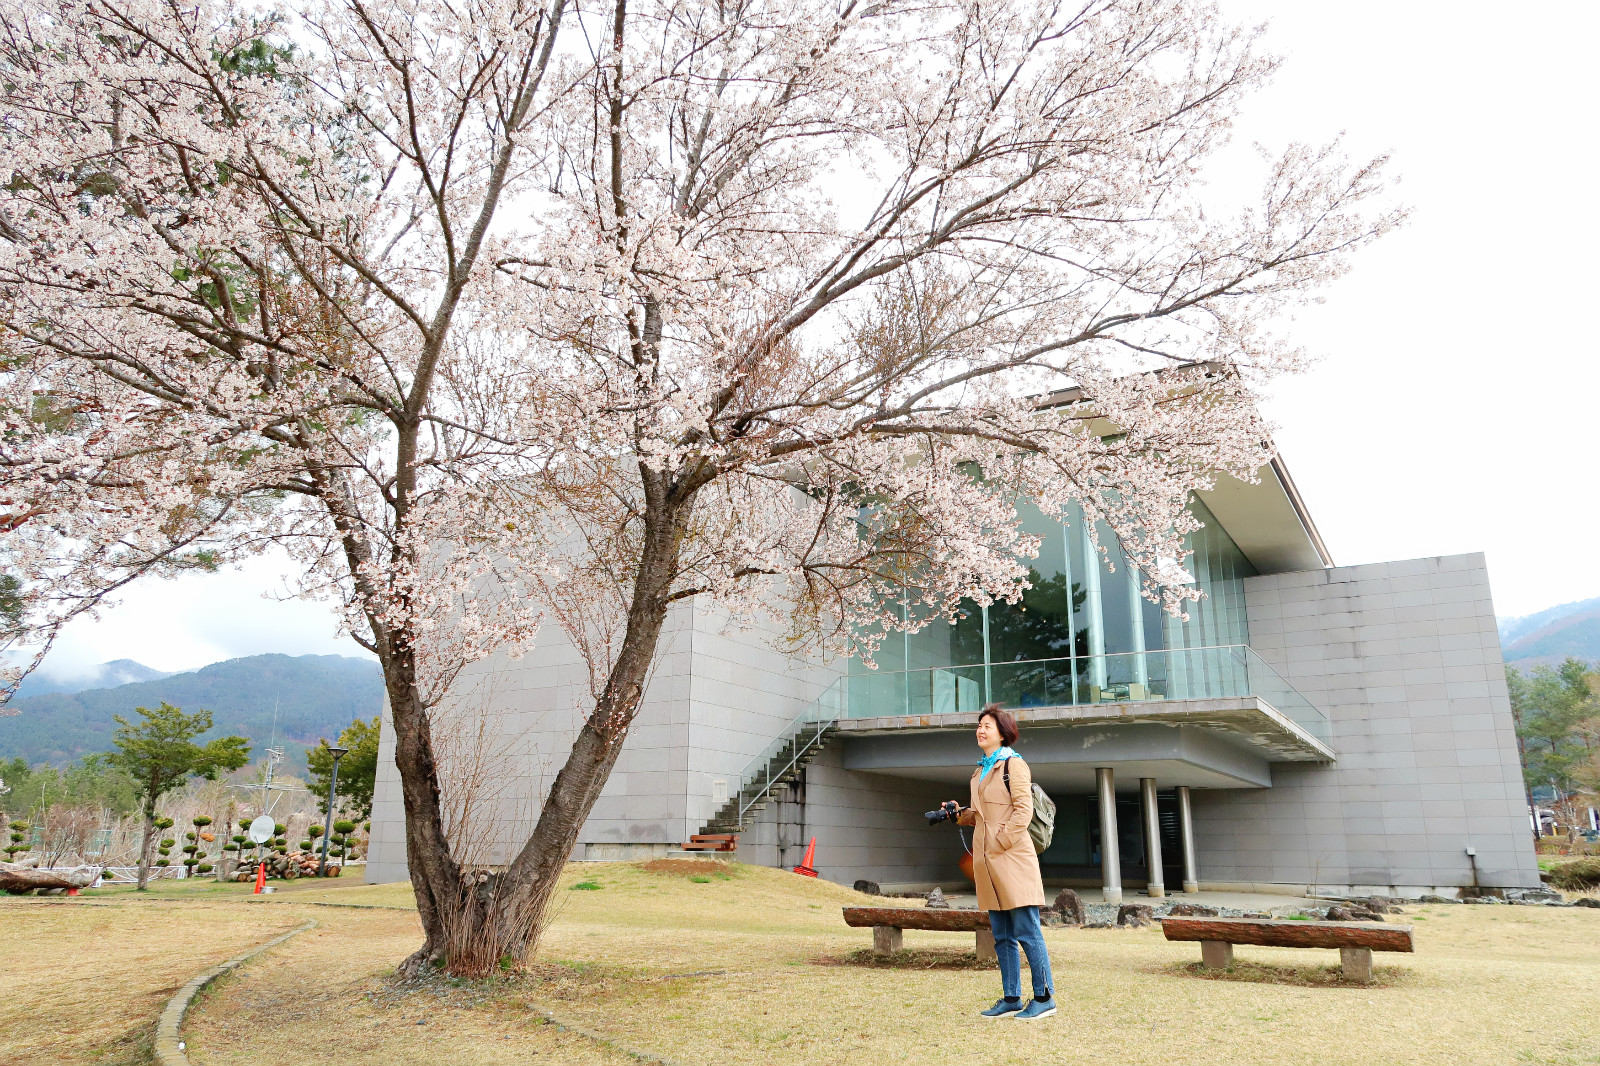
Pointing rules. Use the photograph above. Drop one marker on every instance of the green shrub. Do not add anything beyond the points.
(205, 867)
(586, 886)
(1577, 875)
(202, 821)
(305, 845)
(163, 862)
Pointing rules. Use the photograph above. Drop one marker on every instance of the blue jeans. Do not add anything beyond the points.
(1020, 926)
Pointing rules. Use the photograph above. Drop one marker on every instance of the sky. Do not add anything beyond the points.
(1454, 408)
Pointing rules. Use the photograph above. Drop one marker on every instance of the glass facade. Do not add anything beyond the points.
(1081, 634)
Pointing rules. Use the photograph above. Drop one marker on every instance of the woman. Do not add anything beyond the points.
(1005, 865)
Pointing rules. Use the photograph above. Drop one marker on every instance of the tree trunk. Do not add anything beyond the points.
(144, 847)
(22, 879)
(435, 874)
(472, 919)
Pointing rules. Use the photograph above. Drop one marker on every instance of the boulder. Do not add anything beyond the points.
(1352, 914)
(1192, 910)
(1430, 898)
(937, 901)
(1587, 901)
(1134, 915)
(1069, 907)
(869, 887)
(1255, 914)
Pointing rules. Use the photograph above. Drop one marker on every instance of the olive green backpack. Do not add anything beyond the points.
(1042, 826)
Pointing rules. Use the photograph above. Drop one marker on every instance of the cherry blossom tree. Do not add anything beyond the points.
(504, 314)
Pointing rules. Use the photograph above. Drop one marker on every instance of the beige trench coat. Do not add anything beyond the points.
(1004, 863)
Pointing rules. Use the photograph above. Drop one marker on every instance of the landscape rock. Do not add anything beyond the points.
(1097, 925)
(1352, 914)
(1192, 910)
(869, 887)
(1254, 914)
(1532, 895)
(1069, 907)
(1587, 902)
(1134, 915)
(937, 901)
(1430, 898)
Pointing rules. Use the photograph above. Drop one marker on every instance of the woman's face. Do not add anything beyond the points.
(988, 735)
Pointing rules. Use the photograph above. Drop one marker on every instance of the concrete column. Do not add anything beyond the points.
(1191, 872)
(1152, 838)
(1110, 856)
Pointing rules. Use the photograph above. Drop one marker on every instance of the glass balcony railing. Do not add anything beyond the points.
(1173, 674)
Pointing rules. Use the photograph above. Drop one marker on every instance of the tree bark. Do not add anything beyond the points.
(21, 879)
(144, 846)
(472, 919)
(435, 873)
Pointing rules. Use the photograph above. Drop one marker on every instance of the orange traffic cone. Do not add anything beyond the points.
(261, 877)
(804, 869)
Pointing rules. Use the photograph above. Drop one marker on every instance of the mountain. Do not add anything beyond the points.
(106, 675)
(1514, 629)
(1572, 629)
(311, 696)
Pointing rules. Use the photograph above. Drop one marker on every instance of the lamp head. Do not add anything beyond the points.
(338, 753)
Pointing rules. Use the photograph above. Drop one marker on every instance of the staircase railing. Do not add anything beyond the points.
(805, 734)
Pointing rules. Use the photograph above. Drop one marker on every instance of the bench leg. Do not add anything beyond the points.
(1216, 954)
(985, 945)
(886, 938)
(1356, 963)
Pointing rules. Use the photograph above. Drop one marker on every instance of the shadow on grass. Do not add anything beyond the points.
(1256, 973)
(908, 960)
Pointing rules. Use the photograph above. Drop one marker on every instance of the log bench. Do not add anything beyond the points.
(888, 922)
(1356, 941)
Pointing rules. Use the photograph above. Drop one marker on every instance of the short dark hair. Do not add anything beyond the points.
(1002, 721)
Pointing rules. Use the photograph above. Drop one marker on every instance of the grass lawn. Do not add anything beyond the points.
(754, 966)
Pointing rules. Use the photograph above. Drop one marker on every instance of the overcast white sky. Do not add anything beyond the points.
(1455, 409)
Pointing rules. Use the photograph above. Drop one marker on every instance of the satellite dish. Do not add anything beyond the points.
(260, 830)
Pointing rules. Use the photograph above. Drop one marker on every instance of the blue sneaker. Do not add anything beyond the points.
(1039, 1008)
(1003, 1008)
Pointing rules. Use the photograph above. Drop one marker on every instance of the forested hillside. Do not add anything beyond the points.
(1553, 635)
(315, 696)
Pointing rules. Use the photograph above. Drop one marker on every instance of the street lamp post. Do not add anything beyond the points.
(333, 783)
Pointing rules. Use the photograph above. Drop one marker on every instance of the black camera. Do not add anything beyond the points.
(947, 812)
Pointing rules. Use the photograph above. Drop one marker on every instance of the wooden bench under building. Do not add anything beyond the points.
(888, 922)
(1356, 941)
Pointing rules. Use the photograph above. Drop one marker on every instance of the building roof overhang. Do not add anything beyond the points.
(1266, 518)
(1269, 521)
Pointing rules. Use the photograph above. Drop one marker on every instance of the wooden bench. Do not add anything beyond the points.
(887, 923)
(1356, 941)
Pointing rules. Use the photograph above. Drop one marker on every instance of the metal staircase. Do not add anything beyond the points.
(781, 763)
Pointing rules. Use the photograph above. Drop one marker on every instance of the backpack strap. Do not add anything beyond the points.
(1005, 770)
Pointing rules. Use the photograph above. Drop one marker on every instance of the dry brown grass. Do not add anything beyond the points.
(1304, 976)
(84, 981)
(741, 970)
(684, 866)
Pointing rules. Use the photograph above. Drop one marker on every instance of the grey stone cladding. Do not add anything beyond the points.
(717, 697)
(1405, 660)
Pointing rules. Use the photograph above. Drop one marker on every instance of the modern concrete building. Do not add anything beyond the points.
(1309, 727)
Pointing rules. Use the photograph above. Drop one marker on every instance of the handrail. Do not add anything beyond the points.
(820, 715)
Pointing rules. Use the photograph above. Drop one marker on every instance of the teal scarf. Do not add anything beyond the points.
(987, 763)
